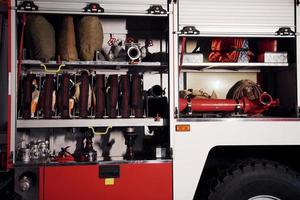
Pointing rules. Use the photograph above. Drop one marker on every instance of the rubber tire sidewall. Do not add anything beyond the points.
(250, 181)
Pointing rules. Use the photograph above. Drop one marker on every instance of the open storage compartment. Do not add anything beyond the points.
(91, 86)
(133, 52)
(237, 76)
(237, 59)
(48, 146)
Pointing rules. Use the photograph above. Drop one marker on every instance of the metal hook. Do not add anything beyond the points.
(100, 133)
(53, 71)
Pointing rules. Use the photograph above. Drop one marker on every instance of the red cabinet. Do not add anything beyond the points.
(135, 181)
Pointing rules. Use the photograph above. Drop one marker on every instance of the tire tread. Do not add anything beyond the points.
(243, 167)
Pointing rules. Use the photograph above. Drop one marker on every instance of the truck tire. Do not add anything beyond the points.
(257, 180)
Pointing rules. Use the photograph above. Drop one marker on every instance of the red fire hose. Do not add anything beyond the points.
(228, 105)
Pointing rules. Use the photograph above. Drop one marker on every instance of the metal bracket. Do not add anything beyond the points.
(285, 31)
(94, 8)
(156, 9)
(28, 6)
(189, 108)
(148, 131)
(238, 109)
(170, 1)
(52, 71)
(190, 30)
(100, 133)
(11, 156)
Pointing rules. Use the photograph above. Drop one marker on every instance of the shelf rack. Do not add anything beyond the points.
(111, 65)
(231, 66)
(75, 123)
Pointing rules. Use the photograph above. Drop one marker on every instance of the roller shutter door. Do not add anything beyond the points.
(237, 16)
(110, 6)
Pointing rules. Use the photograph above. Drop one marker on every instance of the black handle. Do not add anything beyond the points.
(297, 2)
(169, 1)
(109, 171)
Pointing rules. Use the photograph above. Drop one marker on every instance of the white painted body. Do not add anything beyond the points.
(191, 148)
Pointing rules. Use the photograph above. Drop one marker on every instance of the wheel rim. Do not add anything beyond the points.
(264, 197)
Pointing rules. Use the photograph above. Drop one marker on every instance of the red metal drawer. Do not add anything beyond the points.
(136, 181)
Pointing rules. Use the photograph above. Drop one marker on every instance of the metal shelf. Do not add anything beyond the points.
(99, 162)
(254, 35)
(231, 66)
(239, 119)
(34, 65)
(61, 123)
(92, 63)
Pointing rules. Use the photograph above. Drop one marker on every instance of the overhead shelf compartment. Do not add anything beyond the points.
(105, 7)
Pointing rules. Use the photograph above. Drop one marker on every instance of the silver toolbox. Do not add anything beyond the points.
(275, 57)
(192, 58)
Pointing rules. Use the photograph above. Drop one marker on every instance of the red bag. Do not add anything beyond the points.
(124, 86)
(47, 96)
(27, 95)
(64, 95)
(267, 45)
(83, 98)
(112, 95)
(137, 103)
(100, 95)
(228, 50)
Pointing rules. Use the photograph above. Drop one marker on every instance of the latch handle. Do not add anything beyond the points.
(190, 30)
(100, 133)
(54, 70)
(94, 8)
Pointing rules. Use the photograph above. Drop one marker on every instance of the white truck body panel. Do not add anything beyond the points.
(192, 148)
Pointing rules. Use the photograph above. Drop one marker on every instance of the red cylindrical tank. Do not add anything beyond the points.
(229, 105)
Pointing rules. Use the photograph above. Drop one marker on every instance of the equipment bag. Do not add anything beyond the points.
(64, 95)
(124, 96)
(27, 95)
(42, 38)
(100, 95)
(230, 50)
(67, 40)
(48, 96)
(112, 95)
(90, 37)
(84, 94)
(137, 102)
